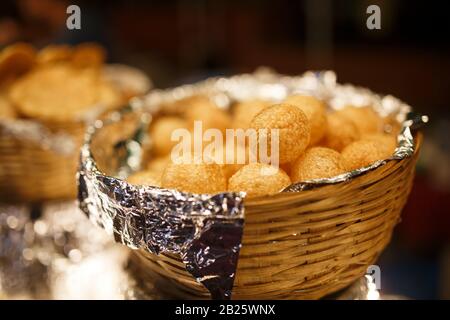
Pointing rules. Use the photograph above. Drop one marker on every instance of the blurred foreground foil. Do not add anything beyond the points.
(60, 255)
(205, 230)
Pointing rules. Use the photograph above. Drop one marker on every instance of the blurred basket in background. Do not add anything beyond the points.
(39, 157)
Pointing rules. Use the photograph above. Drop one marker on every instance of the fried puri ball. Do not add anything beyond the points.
(340, 132)
(293, 125)
(60, 92)
(158, 164)
(88, 55)
(244, 112)
(364, 152)
(315, 111)
(7, 110)
(316, 163)
(54, 54)
(258, 179)
(191, 173)
(230, 158)
(200, 108)
(364, 118)
(145, 178)
(387, 139)
(16, 60)
(161, 132)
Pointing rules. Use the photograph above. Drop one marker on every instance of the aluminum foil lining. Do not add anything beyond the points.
(124, 77)
(206, 230)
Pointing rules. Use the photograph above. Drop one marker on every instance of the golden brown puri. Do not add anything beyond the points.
(257, 179)
(243, 112)
(365, 119)
(161, 134)
(16, 60)
(316, 163)
(54, 54)
(146, 178)
(60, 92)
(364, 152)
(340, 132)
(293, 125)
(199, 108)
(191, 173)
(315, 111)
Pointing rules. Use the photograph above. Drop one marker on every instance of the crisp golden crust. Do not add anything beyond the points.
(364, 152)
(365, 119)
(145, 178)
(340, 132)
(293, 125)
(315, 111)
(244, 112)
(192, 174)
(230, 158)
(161, 133)
(316, 163)
(389, 140)
(258, 179)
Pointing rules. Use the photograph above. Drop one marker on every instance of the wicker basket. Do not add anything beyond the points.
(33, 172)
(302, 245)
(30, 172)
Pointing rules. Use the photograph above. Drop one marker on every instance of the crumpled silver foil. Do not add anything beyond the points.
(206, 230)
(124, 77)
(60, 254)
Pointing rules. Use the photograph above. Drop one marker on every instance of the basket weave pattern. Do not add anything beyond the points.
(29, 172)
(303, 245)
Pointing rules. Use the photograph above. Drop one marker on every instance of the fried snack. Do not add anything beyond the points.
(145, 178)
(387, 139)
(16, 60)
(365, 119)
(340, 132)
(364, 152)
(190, 173)
(316, 163)
(7, 110)
(244, 112)
(60, 92)
(230, 158)
(109, 96)
(200, 108)
(54, 54)
(88, 55)
(258, 179)
(315, 111)
(161, 132)
(157, 165)
(294, 129)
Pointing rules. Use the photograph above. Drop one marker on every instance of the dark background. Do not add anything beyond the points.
(182, 41)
